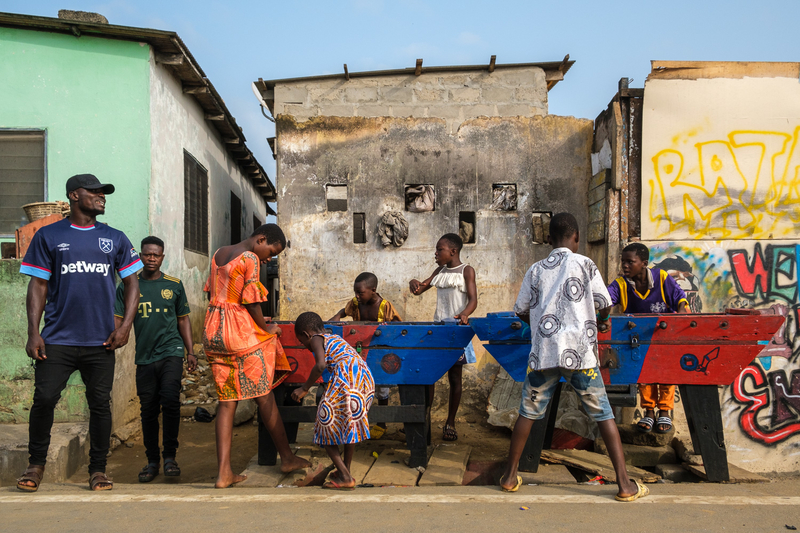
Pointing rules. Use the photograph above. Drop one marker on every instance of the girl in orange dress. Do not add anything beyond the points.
(246, 357)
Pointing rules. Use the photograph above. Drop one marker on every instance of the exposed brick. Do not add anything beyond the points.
(326, 95)
(520, 77)
(427, 94)
(408, 111)
(297, 111)
(530, 94)
(497, 95)
(454, 80)
(481, 110)
(372, 110)
(444, 111)
(465, 94)
(288, 94)
(515, 110)
(361, 94)
(337, 110)
(397, 94)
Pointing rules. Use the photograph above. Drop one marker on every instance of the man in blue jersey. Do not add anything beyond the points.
(73, 266)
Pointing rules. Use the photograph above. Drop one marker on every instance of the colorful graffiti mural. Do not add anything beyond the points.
(764, 400)
(745, 185)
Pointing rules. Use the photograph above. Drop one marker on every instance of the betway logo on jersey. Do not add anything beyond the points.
(83, 266)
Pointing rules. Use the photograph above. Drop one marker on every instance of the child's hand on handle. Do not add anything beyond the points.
(463, 319)
(274, 329)
(299, 393)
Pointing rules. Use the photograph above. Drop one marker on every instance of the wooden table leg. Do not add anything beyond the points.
(267, 452)
(541, 435)
(701, 405)
(417, 432)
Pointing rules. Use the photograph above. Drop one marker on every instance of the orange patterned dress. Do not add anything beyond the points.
(246, 361)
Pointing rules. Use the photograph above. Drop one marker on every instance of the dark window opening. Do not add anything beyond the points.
(540, 221)
(359, 228)
(236, 219)
(195, 210)
(336, 196)
(466, 226)
(21, 176)
(504, 197)
(420, 198)
(256, 223)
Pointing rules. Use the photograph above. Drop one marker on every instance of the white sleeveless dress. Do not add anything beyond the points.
(451, 299)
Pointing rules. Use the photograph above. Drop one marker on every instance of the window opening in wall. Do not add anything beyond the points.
(22, 169)
(336, 196)
(256, 223)
(420, 198)
(236, 219)
(504, 196)
(195, 210)
(466, 226)
(540, 220)
(359, 228)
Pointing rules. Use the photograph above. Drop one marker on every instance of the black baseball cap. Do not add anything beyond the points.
(88, 181)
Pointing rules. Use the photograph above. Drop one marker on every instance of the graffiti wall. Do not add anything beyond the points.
(761, 409)
(721, 159)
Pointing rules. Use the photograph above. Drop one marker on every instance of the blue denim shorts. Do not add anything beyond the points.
(540, 384)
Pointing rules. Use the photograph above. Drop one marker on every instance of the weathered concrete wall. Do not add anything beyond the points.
(546, 157)
(720, 152)
(178, 124)
(455, 97)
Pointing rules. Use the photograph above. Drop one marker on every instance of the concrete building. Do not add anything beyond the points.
(703, 166)
(350, 146)
(134, 107)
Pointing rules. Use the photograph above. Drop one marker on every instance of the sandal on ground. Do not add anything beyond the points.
(640, 493)
(148, 473)
(171, 467)
(334, 485)
(645, 424)
(100, 481)
(33, 474)
(449, 433)
(515, 488)
(664, 419)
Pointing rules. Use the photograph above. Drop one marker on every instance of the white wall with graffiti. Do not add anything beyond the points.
(721, 212)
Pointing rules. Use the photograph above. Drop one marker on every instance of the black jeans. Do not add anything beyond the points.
(158, 385)
(96, 365)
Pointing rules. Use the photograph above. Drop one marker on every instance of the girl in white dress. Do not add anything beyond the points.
(456, 298)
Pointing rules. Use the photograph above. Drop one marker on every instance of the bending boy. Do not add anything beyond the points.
(558, 298)
(648, 290)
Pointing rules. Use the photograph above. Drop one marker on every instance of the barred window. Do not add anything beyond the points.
(22, 169)
(195, 211)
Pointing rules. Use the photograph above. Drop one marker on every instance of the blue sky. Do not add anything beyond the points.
(240, 41)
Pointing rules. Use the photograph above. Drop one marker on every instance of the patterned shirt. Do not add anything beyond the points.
(562, 293)
(666, 296)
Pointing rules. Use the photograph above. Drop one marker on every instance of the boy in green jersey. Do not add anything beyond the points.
(163, 330)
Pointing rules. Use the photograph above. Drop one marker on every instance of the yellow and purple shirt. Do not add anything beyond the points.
(663, 295)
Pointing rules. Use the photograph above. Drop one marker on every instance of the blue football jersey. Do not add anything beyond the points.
(80, 265)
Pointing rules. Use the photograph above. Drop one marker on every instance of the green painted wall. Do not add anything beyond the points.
(92, 96)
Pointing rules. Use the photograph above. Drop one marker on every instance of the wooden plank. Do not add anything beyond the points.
(261, 476)
(195, 89)
(446, 466)
(737, 475)
(390, 469)
(548, 475)
(418, 68)
(597, 194)
(692, 70)
(595, 463)
(703, 415)
(599, 179)
(169, 59)
(215, 116)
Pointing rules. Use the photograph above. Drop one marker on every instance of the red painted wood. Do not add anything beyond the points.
(710, 364)
(363, 333)
(300, 359)
(744, 329)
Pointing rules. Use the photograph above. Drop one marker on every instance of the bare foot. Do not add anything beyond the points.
(223, 483)
(335, 476)
(294, 463)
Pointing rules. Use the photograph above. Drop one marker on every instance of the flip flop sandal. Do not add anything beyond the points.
(645, 424)
(100, 481)
(33, 474)
(641, 493)
(148, 473)
(663, 421)
(171, 467)
(333, 485)
(516, 487)
(449, 433)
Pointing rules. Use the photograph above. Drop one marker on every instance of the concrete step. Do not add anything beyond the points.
(69, 449)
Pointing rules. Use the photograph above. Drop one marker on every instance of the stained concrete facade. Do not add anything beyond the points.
(460, 131)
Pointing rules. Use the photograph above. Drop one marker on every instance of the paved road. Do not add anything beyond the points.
(572, 508)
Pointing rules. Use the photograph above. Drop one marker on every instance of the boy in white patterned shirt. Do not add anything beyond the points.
(559, 298)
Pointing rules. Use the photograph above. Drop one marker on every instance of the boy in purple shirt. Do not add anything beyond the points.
(649, 290)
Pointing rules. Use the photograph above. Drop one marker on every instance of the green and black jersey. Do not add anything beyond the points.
(161, 302)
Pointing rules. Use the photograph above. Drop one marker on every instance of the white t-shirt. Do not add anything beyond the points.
(562, 294)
